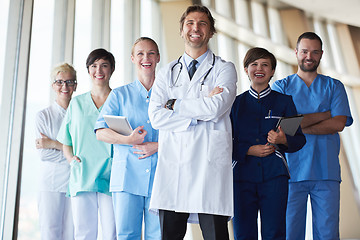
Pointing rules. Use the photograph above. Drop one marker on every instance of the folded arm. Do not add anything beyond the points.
(110, 136)
(47, 143)
(160, 117)
(211, 108)
(42, 132)
(328, 126)
(314, 118)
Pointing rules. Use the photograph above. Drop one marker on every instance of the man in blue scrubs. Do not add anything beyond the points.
(315, 169)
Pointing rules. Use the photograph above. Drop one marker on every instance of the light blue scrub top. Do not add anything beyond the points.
(318, 159)
(129, 173)
(92, 174)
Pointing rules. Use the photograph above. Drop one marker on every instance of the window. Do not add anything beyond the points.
(38, 97)
(4, 12)
(82, 44)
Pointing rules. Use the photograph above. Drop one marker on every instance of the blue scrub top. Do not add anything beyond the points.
(319, 158)
(253, 115)
(128, 173)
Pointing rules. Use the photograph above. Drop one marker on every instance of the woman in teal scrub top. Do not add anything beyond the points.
(90, 159)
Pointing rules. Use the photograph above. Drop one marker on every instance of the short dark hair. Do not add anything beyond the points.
(198, 8)
(140, 39)
(256, 53)
(100, 53)
(308, 35)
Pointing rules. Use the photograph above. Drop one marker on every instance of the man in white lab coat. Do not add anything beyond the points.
(193, 180)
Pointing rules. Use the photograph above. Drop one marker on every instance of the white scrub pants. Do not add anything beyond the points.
(130, 210)
(55, 216)
(85, 207)
(325, 206)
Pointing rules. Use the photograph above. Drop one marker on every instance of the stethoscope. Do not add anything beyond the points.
(172, 83)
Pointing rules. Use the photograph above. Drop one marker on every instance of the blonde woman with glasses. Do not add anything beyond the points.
(54, 208)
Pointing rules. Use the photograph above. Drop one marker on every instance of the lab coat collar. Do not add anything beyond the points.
(262, 94)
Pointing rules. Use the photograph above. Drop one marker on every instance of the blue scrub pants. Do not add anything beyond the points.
(130, 210)
(325, 205)
(270, 198)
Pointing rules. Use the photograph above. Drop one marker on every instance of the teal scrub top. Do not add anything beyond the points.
(92, 174)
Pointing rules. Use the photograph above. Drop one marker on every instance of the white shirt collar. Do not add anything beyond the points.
(188, 59)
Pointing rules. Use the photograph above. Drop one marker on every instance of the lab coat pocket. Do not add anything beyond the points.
(220, 147)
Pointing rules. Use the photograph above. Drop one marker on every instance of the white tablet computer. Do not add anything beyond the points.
(120, 124)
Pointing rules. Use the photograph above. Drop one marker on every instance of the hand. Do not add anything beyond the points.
(146, 149)
(137, 136)
(261, 150)
(74, 158)
(277, 137)
(215, 91)
(43, 142)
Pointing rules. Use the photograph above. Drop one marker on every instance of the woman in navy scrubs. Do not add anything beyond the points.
(260, 168)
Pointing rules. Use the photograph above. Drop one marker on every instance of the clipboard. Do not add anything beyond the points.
(119, 124)
(290, 124)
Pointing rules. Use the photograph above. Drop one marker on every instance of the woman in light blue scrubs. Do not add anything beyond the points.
(135, 156)
(90, 159)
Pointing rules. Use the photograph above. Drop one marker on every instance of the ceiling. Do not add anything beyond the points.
(343, 11)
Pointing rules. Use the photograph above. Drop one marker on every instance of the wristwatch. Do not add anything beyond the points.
(170, 104)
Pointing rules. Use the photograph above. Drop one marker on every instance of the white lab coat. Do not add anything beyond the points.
(194, 172)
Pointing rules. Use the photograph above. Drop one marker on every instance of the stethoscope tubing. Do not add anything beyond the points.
(181, 67)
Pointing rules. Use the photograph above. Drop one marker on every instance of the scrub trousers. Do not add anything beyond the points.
(55, 216)
(130, 211)
(325, 206)
(270, 199)
(85, 208)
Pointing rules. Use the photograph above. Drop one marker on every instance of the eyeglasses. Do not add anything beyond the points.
(70, 83)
